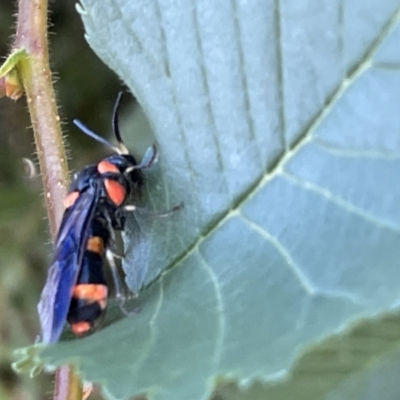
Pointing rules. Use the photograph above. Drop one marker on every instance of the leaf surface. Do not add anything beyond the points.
(278, 126)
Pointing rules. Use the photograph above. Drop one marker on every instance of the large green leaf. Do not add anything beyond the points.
(278, 125)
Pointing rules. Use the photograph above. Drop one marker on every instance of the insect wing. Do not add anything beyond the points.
(62, 274)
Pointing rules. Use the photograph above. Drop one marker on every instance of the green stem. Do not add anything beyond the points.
(35, 73)
(36, 77)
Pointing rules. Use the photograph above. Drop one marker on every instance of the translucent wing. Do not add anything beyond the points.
(62, 274)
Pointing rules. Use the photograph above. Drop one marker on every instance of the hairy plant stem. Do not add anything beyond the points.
(36, 77)
(35, 74)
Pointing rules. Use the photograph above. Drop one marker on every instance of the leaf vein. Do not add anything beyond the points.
(279, 70)
(354, 153)
(301, 277)
(132, 36)
(181, 129)
(342, 294)
(142, 356)
(163, 38)
(208, 95)
(245, 91)
(386, 66)
(334, 199)
(221, 311)
(340, 15)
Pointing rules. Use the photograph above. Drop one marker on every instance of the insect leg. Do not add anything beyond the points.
(112, 247)
(120, 293)
(159, 214)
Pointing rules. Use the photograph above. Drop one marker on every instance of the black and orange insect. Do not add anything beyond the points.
(97, 204)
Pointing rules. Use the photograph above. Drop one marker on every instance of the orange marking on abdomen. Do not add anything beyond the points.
(95, 244)
(115, 191)
(80, 328)
(70, 199)
(105, 166)
(91, 293)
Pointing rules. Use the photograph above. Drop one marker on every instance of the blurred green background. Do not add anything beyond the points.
(86, 89)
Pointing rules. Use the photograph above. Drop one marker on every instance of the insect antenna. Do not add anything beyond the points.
(94, 136)
(115, 125)
(121, 148)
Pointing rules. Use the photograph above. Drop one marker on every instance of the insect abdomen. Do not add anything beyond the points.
(89, 295)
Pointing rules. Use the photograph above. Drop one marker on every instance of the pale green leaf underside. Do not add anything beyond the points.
(279, 128)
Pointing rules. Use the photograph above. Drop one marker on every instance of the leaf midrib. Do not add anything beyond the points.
(304, 138)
